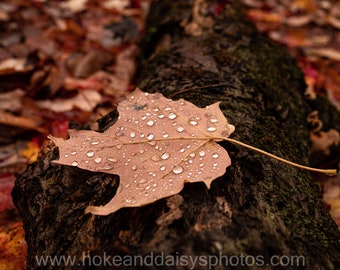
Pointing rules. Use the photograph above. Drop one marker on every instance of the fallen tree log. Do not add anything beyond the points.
(261, 213)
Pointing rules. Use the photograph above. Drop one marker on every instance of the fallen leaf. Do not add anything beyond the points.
(298, 21)
(334, 97)
(32, 151)
(11, 161)
(86, 100)
(11, 101)
(264, 16)
(89, 83)
(74, 5)
(155, 146)
(13, 248)
(331, 197)
(330, 53)
(6, 186)
(116, 4)
(82, 66)
(322, 141)
(12, 65)
(19, 121)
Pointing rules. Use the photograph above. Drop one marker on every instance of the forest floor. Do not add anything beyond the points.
(63, 61)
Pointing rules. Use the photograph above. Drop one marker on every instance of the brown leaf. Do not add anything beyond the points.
(6, 186)
(75, 5)
(331, 53)
(12, 65)
(86, 100)
(322, 141)
(11, 159)
(11, 101)
(155, 146)
(19, 121)
(84, 66)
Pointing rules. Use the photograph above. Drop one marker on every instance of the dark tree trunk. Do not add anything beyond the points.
(203, 52)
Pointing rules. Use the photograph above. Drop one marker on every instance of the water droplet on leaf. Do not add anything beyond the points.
(150, 136)
(142, 181)
(114, 160)
(177, 170)
(180, 129)
(215, 155)
(130, 200)
(155, 158)
(165, 156)
(90, 153)
(172, 116)
(98, 160)
(150, 123)
(213, 119)
(211, 128)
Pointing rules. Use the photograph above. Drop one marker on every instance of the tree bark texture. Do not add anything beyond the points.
(204, 52)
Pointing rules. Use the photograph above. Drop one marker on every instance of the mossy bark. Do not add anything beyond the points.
(260, 208)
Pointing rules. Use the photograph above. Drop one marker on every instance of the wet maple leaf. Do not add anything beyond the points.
(155, 146)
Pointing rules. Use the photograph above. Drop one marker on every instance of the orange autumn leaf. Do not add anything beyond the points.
(31, 152)
(13, 249)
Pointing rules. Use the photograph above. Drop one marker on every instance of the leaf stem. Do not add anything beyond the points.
(330, 172)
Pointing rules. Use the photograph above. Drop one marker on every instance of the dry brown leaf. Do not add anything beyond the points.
(298, 21)
(12, 101)
(86, 100)
(11, 160)
(116, 4)
(75, 5)
(155, 146)
(322, 141)
(19, 121)
(330, 53)
(12, 65)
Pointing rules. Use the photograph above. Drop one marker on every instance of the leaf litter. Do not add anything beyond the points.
(59, 61)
